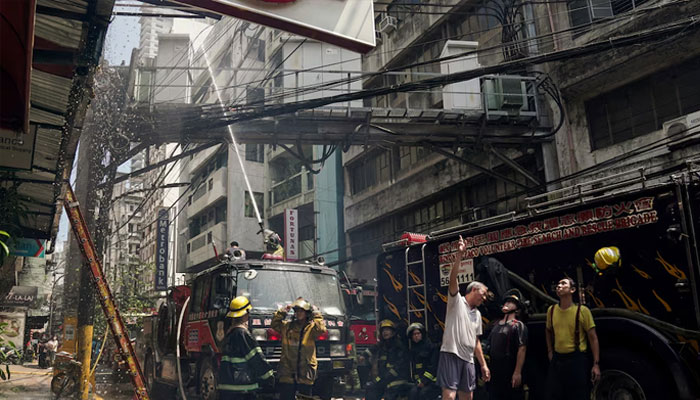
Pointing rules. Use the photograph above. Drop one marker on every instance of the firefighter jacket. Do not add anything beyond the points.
(243, 367)
(424, 361)
(298, 360)
(392, 363)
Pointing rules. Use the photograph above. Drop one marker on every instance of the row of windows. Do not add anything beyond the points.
(208, 219)
(220, 160)
(477, 198)
(583, 12)
(382, 167)
(642, 107)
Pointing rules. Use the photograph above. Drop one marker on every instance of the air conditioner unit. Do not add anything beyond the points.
(681, 127)
(387, 24)
(377, 37)
(505, 94)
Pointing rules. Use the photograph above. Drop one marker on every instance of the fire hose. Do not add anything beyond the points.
(177, 348)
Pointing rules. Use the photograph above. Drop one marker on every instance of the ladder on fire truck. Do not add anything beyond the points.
(415, 280)
(109, 307)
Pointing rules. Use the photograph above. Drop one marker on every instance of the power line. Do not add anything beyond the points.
(525, 41)
(316, 87)
(587, 49)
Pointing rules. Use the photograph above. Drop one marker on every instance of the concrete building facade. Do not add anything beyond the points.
(620, 110)
(417, 189)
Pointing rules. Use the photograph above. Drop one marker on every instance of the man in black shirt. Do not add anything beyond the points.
(508, 345)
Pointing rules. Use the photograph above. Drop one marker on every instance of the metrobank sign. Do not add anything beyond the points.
(344, 23)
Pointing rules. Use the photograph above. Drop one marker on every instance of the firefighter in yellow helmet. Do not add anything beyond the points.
(391, 362)
(297, 367)
(243, 367)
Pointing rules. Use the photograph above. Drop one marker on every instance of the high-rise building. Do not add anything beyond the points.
(151, 28)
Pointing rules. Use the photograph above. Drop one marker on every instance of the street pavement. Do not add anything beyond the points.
(29, 382)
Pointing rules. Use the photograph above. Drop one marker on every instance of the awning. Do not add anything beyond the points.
(64, 52)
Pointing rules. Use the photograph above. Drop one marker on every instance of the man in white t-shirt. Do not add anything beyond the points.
(460, 341)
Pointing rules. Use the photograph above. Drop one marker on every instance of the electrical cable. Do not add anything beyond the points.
(471, 33)
(590, 48)
(362, 76)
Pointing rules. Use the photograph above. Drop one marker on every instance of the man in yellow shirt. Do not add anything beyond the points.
(570, 332)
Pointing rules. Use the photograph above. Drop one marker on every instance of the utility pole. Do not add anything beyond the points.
(97, 146)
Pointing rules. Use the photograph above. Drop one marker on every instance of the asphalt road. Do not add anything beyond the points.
(29, 382)
(33, 383)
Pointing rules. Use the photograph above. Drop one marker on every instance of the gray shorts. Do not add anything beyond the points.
(455, 374)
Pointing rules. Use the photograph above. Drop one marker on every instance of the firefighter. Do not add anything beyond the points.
(507, 350)
(297, 367)
(243, 367)
(391, 363)
(424, 362)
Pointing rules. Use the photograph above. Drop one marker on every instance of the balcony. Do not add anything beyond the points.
(212, 190)
(200, 248)
(202, 157)
(292, 192)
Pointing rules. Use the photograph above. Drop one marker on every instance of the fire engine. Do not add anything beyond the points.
(360, 298)
(645, 308)
(197, 312)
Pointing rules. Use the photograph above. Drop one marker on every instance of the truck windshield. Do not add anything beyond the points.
(272, 289)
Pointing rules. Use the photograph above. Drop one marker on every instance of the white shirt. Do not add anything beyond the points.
(462, 326)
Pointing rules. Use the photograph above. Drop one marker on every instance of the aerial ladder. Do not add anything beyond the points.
(109, 307)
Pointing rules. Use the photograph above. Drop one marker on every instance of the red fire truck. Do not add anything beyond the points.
(360, 298)
(646, 310)
(269, 284)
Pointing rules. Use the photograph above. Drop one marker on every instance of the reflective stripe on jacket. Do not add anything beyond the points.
(298, 359)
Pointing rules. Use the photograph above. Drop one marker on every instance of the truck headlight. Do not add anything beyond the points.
(259, 334)
(334, 335)
(337, 350)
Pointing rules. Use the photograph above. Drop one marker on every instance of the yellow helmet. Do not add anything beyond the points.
(607, 257)
(387, 323)
(301, 303)
(238, 307)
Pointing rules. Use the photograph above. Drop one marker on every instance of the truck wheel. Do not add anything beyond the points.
(149, 368)
(207, 381)
(629, 376)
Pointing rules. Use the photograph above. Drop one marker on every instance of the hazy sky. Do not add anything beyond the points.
(122, 37)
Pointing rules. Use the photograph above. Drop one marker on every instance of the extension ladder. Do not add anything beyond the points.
(114, 319)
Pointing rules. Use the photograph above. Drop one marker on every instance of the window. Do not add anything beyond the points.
(210, 236)
(257, 49)
(371, 171)
(249, 209)
(412, 155)
(211, 183)
(221, 160)
(641, 107)
(200, 295)
(255, 96)
(584, 12)
(255, 152)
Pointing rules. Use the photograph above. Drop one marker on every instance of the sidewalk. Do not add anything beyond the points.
(31, 382)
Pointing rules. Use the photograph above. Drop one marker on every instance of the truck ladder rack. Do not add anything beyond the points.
(109, 307)
(418, 285)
